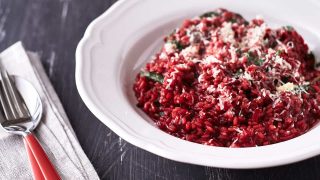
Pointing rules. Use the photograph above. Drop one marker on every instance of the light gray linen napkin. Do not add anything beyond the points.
(54, 131)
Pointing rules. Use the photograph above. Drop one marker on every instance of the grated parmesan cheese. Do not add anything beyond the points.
(200, 78)
(169, 47)
(247, 76)
(200, 26)
(282, 46)
(211, 59)
(182, 66)
(211, 89)
(169, 83)
(286, 87)
(233, 53)
(215, 72)
(259, 16)
(163, 56)
(195, 37)
(195, 60)
(282, 62)
(238, 130)
(221, 103)
(190, 52)
(254, 35)
(226, 32)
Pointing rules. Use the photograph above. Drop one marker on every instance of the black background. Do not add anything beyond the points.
(53, 28)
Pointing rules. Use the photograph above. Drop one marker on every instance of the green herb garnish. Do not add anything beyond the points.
(238, 73)
(278, 52)
(178, 45)
(302, 88)
(311, 55)
(249, 55)
(259, 62)
(238, 52)
(288, 28)
(152, 75)
(266, 41)
(233, 20)
(161, 113)
(254, 60)
(209, 14)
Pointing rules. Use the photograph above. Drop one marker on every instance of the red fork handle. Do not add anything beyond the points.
(37, 174)
(40, 160)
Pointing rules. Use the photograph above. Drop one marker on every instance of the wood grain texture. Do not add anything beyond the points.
(53, 28)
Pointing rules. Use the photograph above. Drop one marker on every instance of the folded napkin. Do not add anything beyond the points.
(54, 131)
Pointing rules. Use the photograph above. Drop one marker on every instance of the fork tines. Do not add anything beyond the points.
(13, 105)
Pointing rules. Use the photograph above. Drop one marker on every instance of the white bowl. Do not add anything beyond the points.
(119, 42)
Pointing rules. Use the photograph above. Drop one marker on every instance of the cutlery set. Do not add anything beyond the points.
(21, 112)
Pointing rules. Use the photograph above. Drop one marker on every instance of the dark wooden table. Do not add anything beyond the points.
(53, 28)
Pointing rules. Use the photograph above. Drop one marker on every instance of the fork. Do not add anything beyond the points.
(19, 121)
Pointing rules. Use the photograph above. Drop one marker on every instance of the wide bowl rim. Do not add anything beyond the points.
(92, 37)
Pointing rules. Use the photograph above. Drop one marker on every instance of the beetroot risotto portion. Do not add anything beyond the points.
(223, 81)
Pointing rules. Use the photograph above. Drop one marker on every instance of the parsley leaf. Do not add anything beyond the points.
(254, 60)
(152, 75)
(302, 88)
(233, 20)
(258, 62)
(209, 14)
(288, 28)
(179, 46)
(238, 73)
(278, 52)
(310, 55)
(249, 56)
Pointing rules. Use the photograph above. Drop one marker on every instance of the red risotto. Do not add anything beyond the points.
(223, 81)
